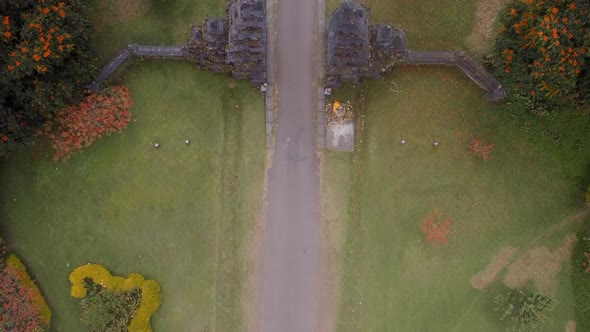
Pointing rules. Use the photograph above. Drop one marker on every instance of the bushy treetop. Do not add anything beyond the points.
(543, 49)
(45, 63)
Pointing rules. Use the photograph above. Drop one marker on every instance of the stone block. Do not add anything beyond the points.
(340, 136)
(320, 143)
(321, 130)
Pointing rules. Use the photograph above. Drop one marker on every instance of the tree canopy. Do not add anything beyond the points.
(45, 63)
(543, 50)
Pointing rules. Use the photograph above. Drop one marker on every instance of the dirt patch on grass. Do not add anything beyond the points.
(572, 221)
(127, 10)
(570, 326)
(483, 30)
(540, 266)
(484, 278)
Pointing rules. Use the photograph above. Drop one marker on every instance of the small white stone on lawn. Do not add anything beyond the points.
(402, 141)
(187, 141)
(156, 145)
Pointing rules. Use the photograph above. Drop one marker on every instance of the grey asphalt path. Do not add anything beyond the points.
(290, 281)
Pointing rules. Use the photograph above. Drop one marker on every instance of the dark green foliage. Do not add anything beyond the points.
(104, 310)
(581, 279)
(45, 63)
(526, 312)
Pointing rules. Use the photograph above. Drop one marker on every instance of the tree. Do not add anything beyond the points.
(45, 62)
(526, 312)
(543, 48)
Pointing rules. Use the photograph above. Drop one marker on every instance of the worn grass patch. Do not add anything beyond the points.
(482, 36)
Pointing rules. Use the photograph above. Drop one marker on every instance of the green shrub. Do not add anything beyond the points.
(588, 196)
(150, 291)
(107, 310)
(581, 279)
(526, 312)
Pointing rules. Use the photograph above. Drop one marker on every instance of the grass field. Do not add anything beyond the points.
(377, 197)
(179, 215)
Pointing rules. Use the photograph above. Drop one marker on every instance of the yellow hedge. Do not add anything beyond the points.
(25, 279)
(150, 291)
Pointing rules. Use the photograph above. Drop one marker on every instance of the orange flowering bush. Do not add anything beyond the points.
(79, 126)
(543, 49)
(45, 61)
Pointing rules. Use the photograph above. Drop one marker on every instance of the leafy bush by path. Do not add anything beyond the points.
(22, 307)
(542, 50)
(526, 312)
(581, 279)
(79, 126)
(150, 291)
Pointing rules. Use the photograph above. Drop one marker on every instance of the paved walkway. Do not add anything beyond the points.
(290, 281)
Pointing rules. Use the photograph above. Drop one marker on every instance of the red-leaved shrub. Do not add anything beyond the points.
(436, 228)
(79, 126)
(22, 307)
(480, 149)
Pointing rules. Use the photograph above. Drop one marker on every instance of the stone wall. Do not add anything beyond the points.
(357, 49)
(236, 45)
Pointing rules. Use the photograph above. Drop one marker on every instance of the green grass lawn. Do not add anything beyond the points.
(179, 215)
(377, 197)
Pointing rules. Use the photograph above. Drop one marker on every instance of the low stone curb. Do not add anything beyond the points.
(321, 99)
(270, 116)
